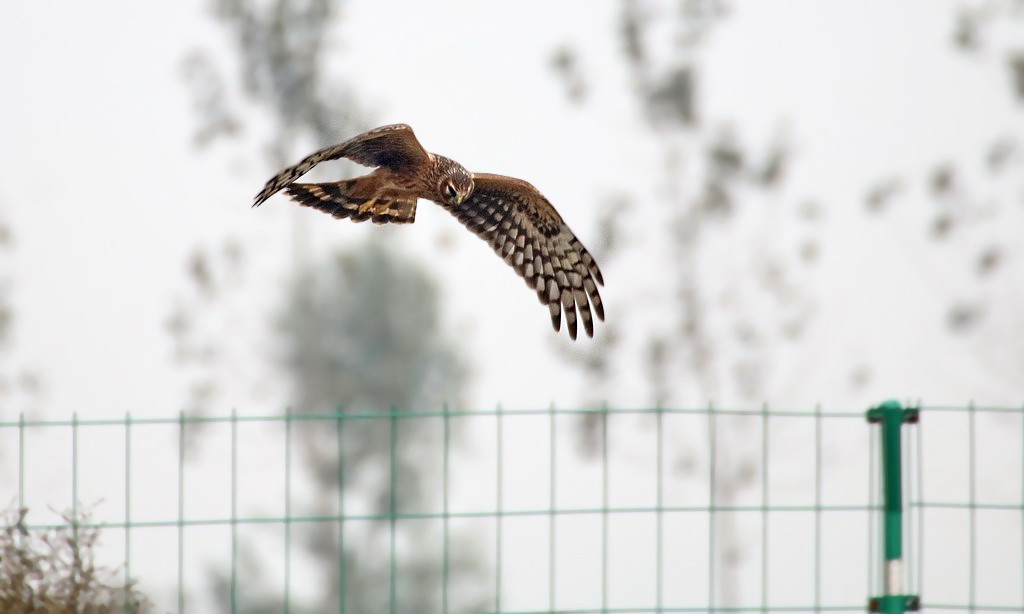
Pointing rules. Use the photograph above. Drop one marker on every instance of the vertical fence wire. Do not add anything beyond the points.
(817, 506)
(921, 512)
(21, 475)
(181, 512)
(21, 463)
(342, 558)
(712, 499)
(764, 508)
(74, 469)
(553, 508)
(74, 488)
(659, 571)
(393, 516)
(973, 502)
(127, 511)
(288, 511)
(233, 597)
(445, 510)
(499, 505)
(605, 505)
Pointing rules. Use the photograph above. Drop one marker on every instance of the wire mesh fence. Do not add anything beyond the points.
(522, 512)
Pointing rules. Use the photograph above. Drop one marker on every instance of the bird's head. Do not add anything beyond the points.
(455, 186)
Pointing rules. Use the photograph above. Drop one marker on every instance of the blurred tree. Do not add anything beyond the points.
(711, 335)
(281, 46)
(55, 570)
(279, 49)
(710, 185)
(20, 386)
(717, 198)
(359, 330)
(200, 315)
(974, 195)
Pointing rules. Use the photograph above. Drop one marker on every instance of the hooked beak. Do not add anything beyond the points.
(459, 199)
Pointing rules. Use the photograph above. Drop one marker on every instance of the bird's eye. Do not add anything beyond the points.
(450, 191)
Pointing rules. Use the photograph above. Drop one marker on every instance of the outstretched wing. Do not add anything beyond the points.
(394, 147)
(526, 231)
(360, 199)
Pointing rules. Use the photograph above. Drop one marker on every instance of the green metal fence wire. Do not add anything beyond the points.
(943, 507)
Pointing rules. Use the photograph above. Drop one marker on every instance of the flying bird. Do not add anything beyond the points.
(511, 215)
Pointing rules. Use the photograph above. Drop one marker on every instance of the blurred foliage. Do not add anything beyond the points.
(20, 385)
(278, 54)
(712, 335)
(707, 174)
(711, 178)
(706, 177)
(361, 332)
(964, 205)
(6, 283)
(55, 571)
(195, 323)
(208, 100)
(281, 46)
(881, 195)
(727, 334)
(420, 582)
(358, 330)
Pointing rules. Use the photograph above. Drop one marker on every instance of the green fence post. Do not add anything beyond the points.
(892, 416)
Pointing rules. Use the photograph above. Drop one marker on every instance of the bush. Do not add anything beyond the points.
(54, 570)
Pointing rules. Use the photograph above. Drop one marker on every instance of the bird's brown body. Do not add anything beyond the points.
(510, 214)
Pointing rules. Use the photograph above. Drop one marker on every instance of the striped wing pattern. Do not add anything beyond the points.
(383, 207)
(525, 230)
(511, 215)
(393, 147)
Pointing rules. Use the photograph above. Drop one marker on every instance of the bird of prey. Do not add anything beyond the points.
(511, 215)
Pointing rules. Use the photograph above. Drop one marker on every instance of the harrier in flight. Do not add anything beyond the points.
(510, 214)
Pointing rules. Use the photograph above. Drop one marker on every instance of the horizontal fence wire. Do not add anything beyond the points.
(183, 418)
(734, 478)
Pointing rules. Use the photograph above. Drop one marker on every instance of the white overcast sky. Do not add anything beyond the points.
(107, 196)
